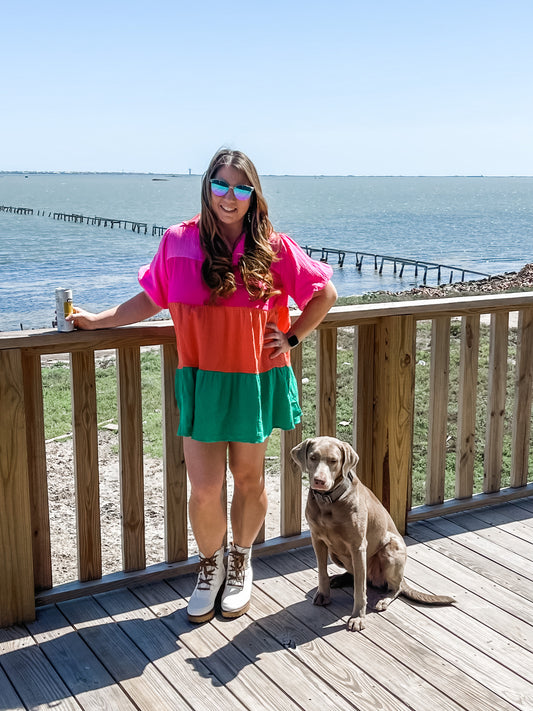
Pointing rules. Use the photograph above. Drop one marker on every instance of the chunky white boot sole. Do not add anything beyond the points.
(202, 603)
(198, 619)
(236, 613)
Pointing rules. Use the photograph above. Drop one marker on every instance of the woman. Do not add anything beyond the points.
(226, 278)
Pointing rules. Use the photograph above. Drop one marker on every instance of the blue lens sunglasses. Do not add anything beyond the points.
(221, 187)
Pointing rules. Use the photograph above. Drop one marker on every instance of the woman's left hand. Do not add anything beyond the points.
(275, 339)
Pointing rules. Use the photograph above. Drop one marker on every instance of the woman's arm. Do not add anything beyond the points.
(307, 321)
(134, 310)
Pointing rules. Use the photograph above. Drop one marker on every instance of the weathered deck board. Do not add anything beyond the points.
(86, 677)
(154, 638)
(210, 650)
(134, 648)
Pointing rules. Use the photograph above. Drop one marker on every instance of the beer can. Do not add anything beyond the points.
(63, 309)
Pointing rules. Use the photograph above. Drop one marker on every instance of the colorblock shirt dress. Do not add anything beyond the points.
(227, 388)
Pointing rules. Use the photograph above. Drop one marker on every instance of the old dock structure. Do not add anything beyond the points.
(399, 263)
(76, 217)
(102, 221)
(17, 210)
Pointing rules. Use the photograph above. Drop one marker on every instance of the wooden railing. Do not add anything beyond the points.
(384, 377)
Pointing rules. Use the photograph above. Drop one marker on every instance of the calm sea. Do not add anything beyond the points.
(481, 224)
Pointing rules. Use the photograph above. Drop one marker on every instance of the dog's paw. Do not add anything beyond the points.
(382, 604)
(321, 598)
(355, 624)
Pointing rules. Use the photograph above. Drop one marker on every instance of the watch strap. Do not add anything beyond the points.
(293, 341)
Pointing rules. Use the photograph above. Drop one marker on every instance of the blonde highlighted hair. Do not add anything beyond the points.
(254, 264)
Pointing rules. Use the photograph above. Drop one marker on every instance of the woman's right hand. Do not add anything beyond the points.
(85, 320)
(138, 308)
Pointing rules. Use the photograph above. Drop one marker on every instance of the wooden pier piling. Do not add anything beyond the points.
(399, 264)
(380, 260)
(111, 222)
(17, 210)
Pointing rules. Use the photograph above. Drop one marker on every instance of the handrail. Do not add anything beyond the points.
(148, 332)
(384, 378)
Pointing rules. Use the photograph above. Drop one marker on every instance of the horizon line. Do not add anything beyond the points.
(267, 175)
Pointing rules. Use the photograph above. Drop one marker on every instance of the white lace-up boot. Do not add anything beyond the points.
(211, 575)
(239, 578)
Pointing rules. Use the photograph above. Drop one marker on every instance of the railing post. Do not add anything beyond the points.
(85, 445)
(37, 473)
(363, 406)
(326, 382)
(394, 384)
(290, 475)
(522, 400)
(131, 458)
(493, 460)
(17, 595)
(438, 410)
(466, 419)
(174, 469)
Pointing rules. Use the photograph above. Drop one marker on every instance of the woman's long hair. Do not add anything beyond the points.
(254, 265)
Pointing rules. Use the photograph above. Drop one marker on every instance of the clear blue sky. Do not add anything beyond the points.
(382, 87)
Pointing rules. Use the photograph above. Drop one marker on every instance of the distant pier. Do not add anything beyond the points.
(75, 217)
(399, 263)
(17, 210)
(102, 221)
(111, 222)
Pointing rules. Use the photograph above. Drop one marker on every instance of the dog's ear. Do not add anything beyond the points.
(299, 453)
(350, 457)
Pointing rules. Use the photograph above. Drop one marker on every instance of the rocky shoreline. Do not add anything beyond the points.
(510, 281)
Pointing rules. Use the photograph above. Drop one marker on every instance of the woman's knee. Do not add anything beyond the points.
(249, 483)
(206, 494)
(246, 463)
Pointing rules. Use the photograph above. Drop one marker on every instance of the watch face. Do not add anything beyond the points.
(293, 341)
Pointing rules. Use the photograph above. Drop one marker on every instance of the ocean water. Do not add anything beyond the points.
(479, 224)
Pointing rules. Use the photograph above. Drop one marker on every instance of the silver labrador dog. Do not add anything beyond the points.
(350, 523)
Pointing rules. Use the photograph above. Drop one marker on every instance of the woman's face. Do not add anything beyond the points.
(229, 211)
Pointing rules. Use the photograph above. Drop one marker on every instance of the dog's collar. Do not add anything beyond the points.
(329, 497)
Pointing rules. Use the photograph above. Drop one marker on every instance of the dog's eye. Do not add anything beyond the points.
(313, 457)
(332, 461)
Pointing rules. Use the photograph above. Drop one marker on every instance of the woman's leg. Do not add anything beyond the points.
(248, 509)
(249, 503)
(206, 468)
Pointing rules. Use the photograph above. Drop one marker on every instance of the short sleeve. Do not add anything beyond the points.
(153, 277)
(296, 273)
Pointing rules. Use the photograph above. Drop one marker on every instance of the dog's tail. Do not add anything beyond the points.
(424, 598)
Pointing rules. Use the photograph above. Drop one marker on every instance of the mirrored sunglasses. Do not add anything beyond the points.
(221, 187)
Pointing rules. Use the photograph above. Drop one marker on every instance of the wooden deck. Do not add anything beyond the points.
(134, 648)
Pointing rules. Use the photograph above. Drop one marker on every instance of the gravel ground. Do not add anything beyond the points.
(59, 459)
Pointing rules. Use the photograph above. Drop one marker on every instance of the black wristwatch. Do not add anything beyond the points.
(293, 341)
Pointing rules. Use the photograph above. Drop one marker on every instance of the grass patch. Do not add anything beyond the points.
(57, 399)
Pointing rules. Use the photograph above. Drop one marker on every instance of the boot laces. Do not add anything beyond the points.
(236, 571)
(206, 571)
